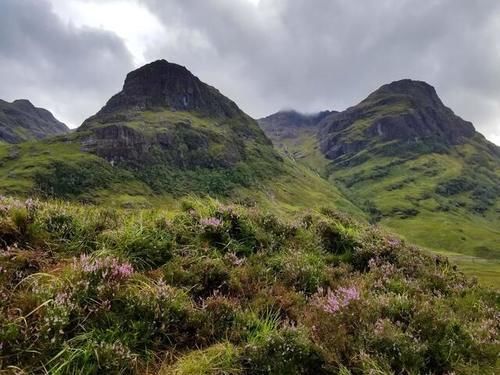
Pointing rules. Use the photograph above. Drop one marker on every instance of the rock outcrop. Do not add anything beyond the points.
(165, 115)
(165, 85)
(403, 111)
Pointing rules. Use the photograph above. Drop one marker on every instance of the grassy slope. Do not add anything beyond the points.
(471, 240)
(217, 289)
(294, 189)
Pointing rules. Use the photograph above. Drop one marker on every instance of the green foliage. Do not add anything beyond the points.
(217, 289)
(67, 180)
(287, 351)
(219, 359)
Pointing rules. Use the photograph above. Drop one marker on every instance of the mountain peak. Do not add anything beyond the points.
(23, 103)
(21, 121)
(162, 84)
(417, 93)
(404, 111)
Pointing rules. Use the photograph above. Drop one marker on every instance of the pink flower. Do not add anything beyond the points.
(108, 267)
(334, 301)
(211, 222)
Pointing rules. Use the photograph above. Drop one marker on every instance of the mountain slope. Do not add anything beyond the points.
(21, 121)
(294, 134)
(413, 165)
(165, 135)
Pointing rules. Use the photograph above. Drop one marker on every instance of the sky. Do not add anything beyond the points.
(71, 56)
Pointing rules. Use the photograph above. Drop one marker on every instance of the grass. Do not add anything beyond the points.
(403, 195)
(211, 288)
(221, 359)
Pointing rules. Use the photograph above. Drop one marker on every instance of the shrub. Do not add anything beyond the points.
(303, 270)
(203, 275)
(336, 237)
(144, 244)
(287, 351)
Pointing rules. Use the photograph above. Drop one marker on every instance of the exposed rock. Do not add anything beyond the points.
(405, 111)
(21, 121)
(165, 115)
(161, 84)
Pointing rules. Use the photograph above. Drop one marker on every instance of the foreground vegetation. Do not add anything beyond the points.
(225, 289)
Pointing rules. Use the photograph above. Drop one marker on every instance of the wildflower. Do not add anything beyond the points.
(30, 204)
(336, 300)
(108, 267)
(211, 222)
(393, 242)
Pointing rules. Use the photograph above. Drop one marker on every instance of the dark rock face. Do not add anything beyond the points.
(179, 146)
(402, 111)
(166, 116)
(21, 121)
(161, 84)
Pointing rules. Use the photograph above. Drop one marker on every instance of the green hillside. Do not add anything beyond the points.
(414, 167)
(146, 147)
(167, 236)
(224, 289)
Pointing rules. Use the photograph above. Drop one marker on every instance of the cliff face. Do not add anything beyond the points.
(164, 114)
(403, 111)
(21, 121)
(161, 84)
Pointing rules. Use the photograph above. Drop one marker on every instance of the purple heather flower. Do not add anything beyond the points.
(108, 267)
(334, 301)
(211, 222)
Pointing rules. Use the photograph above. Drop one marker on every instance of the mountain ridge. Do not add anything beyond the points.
(20, 121)
(165, 135)
(427, 175)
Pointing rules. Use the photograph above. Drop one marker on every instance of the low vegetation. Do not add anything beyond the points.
(226, 289)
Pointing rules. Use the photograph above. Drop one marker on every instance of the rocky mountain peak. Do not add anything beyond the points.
(21, 121)
(402, 111)
(292, 117)
(162, 84)
(416, 93)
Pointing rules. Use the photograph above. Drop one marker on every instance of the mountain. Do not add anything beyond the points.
(166, 116)
(165, 135)
(412, 164)
(403, 112)
(21, 121)
(294, 133)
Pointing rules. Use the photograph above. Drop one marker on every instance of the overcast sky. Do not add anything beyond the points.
(70, 56)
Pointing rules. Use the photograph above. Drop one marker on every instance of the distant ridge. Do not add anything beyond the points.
(21, 121)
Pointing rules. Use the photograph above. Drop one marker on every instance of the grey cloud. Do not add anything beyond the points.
(70, 71)
(329, 54)
(303, 54)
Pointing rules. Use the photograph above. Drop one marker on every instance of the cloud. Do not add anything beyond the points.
(329, 54)
(264, 54)
(69, 70)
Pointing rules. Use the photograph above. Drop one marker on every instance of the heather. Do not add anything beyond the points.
(213, 288)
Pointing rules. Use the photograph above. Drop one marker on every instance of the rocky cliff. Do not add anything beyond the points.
(164, 114)
(404, 111)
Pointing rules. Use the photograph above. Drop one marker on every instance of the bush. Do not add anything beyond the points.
(335, 237)
(302, 270)
(144, 244)
(203, 275)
